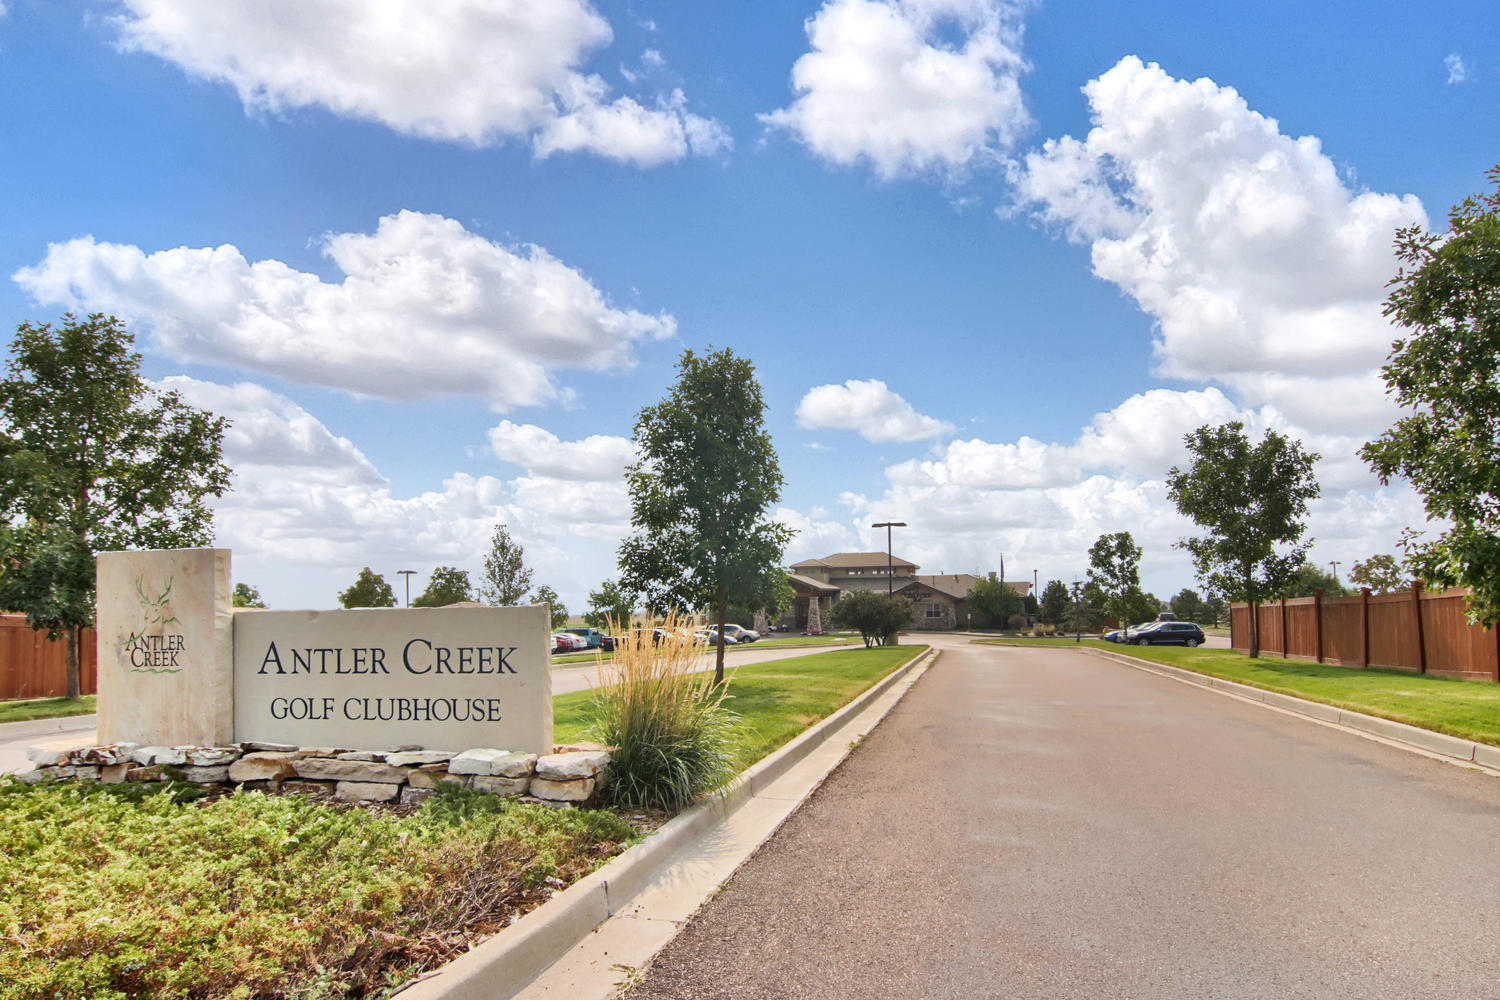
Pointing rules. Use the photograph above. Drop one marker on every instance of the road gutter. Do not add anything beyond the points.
(1437, 745)
(513, 960)
(46, 727)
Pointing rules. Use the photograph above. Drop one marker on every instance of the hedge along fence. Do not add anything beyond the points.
(1415, 630)
(33, 666)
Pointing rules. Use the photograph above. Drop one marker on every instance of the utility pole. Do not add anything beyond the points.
(1077, 615)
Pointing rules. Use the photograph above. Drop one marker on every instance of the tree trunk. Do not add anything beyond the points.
(722, 613)
(1254, 631)
(75, 685)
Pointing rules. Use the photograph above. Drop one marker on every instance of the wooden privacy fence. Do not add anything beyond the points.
(32, 666)
(1407, 630)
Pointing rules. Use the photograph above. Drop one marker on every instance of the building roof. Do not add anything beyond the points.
(800, 582)
(851, 560)
(958, 585)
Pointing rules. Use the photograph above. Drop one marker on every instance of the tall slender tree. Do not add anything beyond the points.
(505, 578)
(699, 495)
(1114, 569)
(1252, 499)
(93, 458)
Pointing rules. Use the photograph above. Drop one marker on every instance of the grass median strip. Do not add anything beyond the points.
(115, 892)
(775, 700)
(45, 708)
(1467, 709)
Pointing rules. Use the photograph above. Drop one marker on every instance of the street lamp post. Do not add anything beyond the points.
(889, 561)
(1077, 615)
(1335, 564)
(407, 573)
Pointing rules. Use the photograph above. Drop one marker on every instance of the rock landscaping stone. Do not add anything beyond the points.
(86, 772)
(576, 790)
(514, 765)
(475, 761)
(268, 765)
(497, 785)
(46, 757)
(212, 756)
(114, 774)
(569, 766)
(325, 769)
(360, 755)
(105, 755)
(415, 796)
(206, 775)
(429, 775)
(258, 746)
(171, 756)
(367, 791)
(313, 788)
(37, 775)
(403, 758)
(153, 773)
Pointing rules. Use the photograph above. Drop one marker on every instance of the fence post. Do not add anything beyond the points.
(1318, 623)
(1284, 643)
(1364, 626)
(1416, 602)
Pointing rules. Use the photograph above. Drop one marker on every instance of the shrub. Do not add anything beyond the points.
(658, 707)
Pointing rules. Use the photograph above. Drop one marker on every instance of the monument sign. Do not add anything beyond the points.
(178, 665)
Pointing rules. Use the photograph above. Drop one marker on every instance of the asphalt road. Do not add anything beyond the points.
(1041, 823)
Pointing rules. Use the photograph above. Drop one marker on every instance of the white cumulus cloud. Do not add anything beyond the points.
(470, 71)
(908, 86)
(599, 457)
(869, 407)
(1262, 269)
(1458, 70)
(426, 309)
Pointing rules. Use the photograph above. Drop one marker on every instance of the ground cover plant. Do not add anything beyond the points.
(1467, 709)
(46, 708)
(114, 892)
(774, 701)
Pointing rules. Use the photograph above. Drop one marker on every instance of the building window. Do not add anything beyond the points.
(935, 611)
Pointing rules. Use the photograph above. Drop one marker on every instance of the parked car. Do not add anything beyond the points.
(567, 642)
(709, 637)
(607, 643)
(1169, 633)
(1129, 634)
(592, 637)
(738, 632)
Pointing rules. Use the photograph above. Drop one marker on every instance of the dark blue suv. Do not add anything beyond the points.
(1169, 633)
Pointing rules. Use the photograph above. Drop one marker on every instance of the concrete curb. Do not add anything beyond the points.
(46, 727)
(1397, 732)
(506, 963)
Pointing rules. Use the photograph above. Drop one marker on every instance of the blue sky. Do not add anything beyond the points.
(991, 260)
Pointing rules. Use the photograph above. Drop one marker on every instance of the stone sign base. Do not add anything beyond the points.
(569, 776)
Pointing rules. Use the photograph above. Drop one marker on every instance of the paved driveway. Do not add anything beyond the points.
(1042, 823)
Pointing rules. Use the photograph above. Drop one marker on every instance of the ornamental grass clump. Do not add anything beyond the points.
(657, 704)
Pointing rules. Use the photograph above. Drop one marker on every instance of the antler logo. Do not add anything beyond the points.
(154, 650)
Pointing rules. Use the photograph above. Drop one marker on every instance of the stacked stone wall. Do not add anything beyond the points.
(572, 774)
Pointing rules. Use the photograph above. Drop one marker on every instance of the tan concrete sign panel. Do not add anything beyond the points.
(373, 678)
(165, 647)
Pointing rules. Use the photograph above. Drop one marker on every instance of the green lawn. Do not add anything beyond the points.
(776, 700)
(1467, 709)
(45, 708)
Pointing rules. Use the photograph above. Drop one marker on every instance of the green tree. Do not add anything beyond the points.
(1055, 601)
(1446, 373)
(1381, 573)
(1310, 579)
(93, 459)
(875, 616)
(1086, 613)
(610, 603)
(1252, 500)
(699, 495)
(992, 602)
(505, 578)
(1187, 605)
(1215, 610)
(369, 590)
(1137, 606)
(246, 596)
(546, 595)
(447, 585)
(1114, 569)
